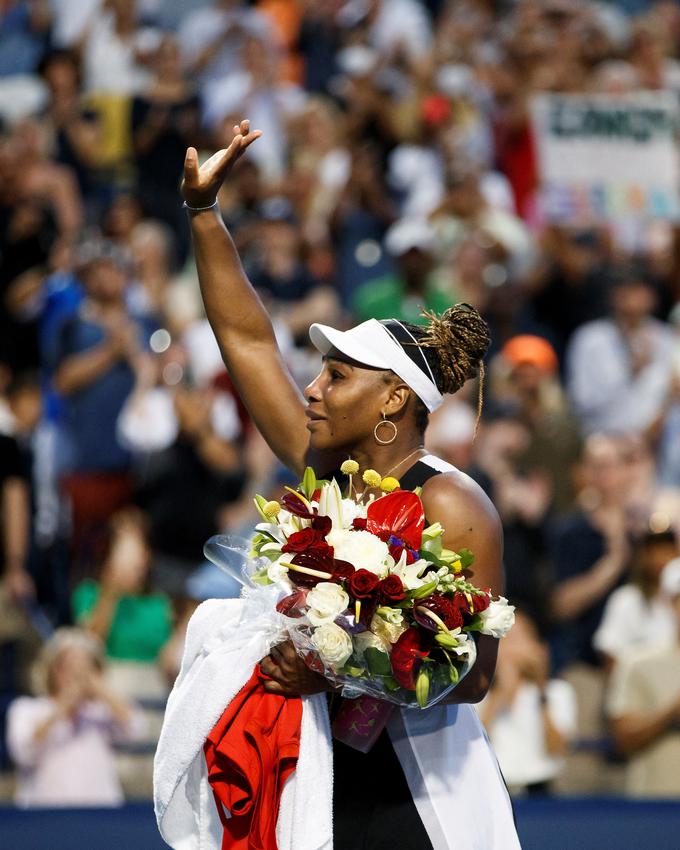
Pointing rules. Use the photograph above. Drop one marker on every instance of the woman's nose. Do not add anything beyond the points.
(313, 390)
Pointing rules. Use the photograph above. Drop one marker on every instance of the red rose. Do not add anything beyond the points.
(410, 648)
(359, 523)
(301, 541)
(391, 589)
(362, 584)
(481, 601)
(446, 609)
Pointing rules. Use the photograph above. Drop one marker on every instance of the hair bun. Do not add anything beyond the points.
(460, 338)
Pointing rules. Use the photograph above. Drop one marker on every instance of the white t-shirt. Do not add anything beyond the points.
(74, 764)
(517, 733)
(632, 620)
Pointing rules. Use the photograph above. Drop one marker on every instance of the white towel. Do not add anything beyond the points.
(225, 639)
(444, 752)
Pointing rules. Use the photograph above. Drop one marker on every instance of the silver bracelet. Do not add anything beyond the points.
(200, 209)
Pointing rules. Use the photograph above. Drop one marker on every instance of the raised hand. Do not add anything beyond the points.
(201, 184)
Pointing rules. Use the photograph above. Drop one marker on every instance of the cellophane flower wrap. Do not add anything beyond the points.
(370, 596)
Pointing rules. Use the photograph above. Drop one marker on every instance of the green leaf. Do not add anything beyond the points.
(424, 590)
(391, 683)
(431, 557)
(453, 673)
(378, 662)
(476, 624)
(308, 485)
(349, 670)
(467, 558)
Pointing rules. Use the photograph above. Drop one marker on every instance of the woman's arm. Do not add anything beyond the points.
(241, 325)
(470, 521)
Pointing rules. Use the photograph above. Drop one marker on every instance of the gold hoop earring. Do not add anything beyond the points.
(385, 421)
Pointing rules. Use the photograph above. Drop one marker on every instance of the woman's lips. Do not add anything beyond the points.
(313, 418)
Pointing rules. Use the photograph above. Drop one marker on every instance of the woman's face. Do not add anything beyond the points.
(344, 404)
(70, 667)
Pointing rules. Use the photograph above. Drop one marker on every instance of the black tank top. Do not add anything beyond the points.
(373, 808)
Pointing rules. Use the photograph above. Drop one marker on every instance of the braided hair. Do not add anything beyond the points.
(454, 345)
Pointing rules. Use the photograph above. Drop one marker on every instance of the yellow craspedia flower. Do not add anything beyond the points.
(349, 467)
(271, 509)
(457, 566)
(371, 478)
(387, 485)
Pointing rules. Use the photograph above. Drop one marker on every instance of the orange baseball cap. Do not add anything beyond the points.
(533, 350)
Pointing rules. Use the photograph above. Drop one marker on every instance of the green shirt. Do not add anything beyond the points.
(386, 298)
(140, 625)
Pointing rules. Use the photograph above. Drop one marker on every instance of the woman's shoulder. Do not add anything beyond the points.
(454, 491)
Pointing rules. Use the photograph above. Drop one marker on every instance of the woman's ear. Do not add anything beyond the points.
(398, 400)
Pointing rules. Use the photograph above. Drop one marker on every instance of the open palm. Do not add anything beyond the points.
(201, 184)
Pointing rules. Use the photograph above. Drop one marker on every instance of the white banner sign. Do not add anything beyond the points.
(607, 157)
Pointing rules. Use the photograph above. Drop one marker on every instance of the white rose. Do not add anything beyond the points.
(389, 632)
(333, 644)
(498, 618)
(367, 640)
(362, 549)
(326, 601)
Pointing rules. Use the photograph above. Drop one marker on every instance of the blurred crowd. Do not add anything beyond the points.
(397, 171)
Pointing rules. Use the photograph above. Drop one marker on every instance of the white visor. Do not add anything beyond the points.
(372, 344)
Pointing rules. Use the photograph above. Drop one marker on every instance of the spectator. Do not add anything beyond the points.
(619, 369)
(362, 214)
(61, 742)
(93, 372)
(132, 620)
(165, 120)
(287, 287)
(530, 717)
(75, 126)
(644, 707)
(590, 552)
(24, 35)
(414, 286)
(632, 607)
(533, 393)
(188, 465)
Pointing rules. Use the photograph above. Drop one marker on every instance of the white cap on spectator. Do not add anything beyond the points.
(407, 234)
(670, 578)
(357, 61)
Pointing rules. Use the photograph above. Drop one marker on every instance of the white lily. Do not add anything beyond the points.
(330, 503)
(410, 573)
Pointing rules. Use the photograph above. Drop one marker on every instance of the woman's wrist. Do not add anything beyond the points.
(196, 207)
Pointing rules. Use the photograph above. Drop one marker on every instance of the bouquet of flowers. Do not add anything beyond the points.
(371, 597)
